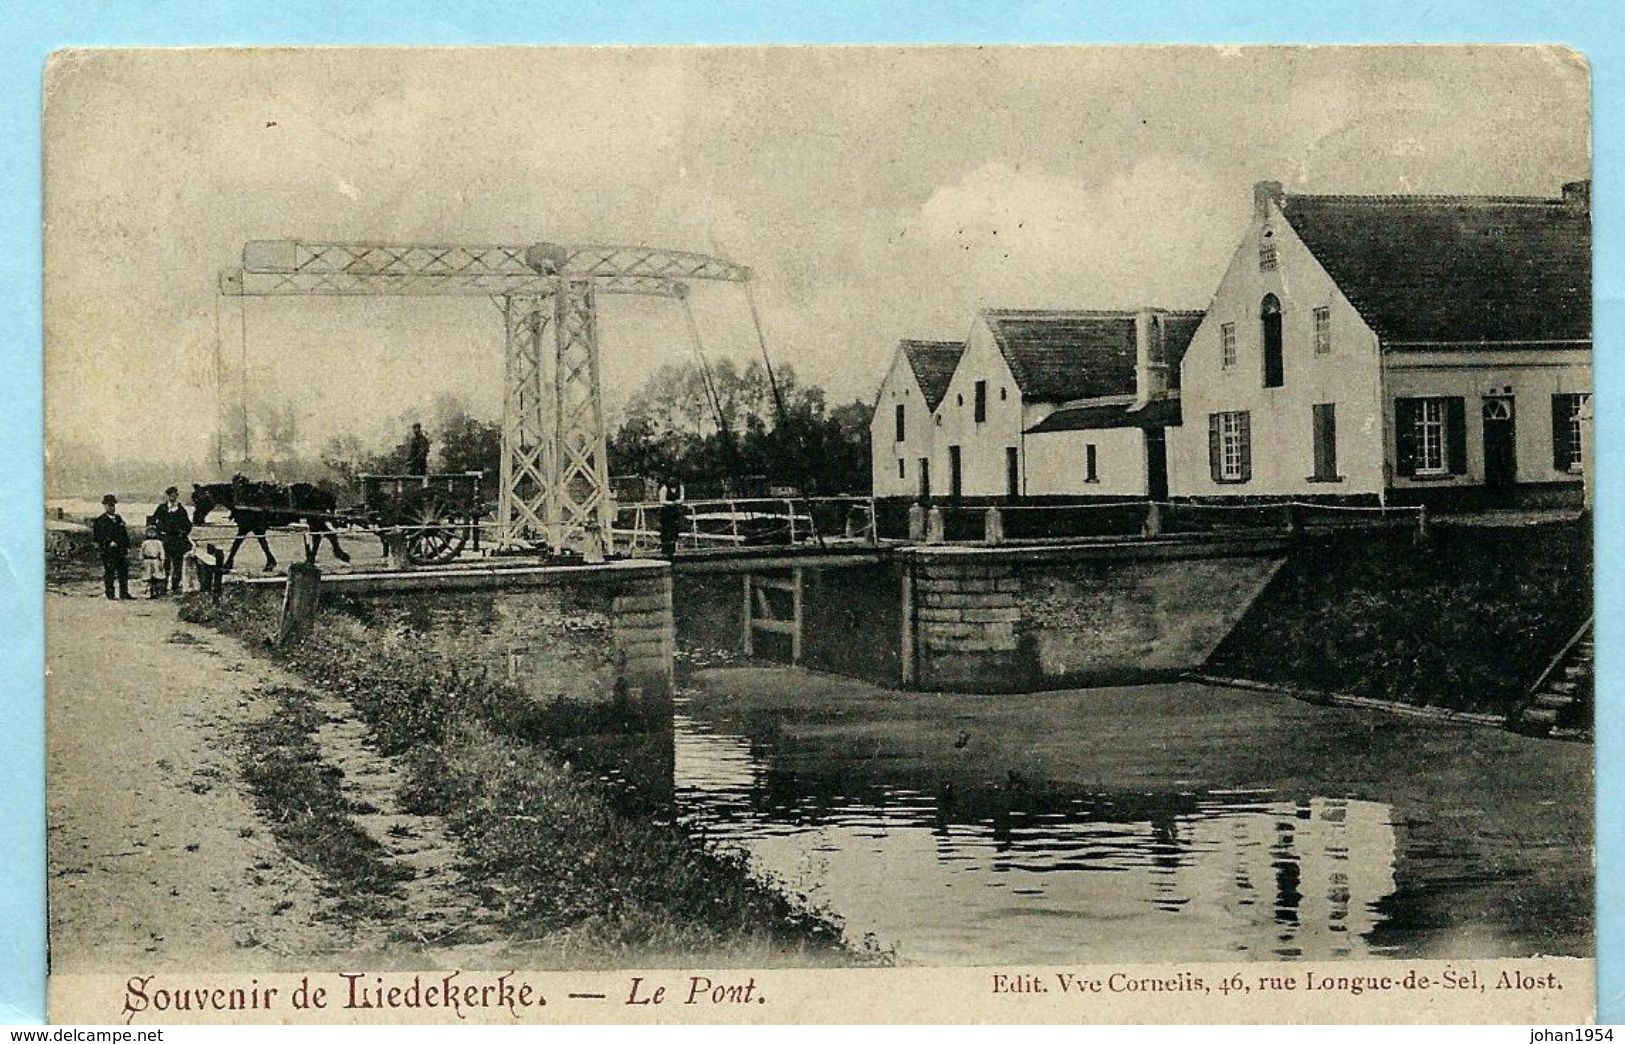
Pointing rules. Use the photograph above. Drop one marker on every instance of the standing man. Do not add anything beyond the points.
(113, 544)
(174, 529)
(672, 514)
(417, 452)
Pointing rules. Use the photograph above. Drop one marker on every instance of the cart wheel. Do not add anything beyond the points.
(434, 535)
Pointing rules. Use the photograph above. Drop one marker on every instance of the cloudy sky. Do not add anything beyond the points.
(876, 193)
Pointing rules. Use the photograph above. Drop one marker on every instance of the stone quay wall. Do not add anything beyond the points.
(1015, 619)
(577, 633)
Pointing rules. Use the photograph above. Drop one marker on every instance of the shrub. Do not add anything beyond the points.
(1466, 621)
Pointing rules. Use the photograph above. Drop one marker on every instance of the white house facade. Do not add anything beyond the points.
(901, 431)
(1103, 449)
(1392, 347)
(1090, 370)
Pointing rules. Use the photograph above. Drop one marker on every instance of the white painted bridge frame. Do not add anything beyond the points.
(555, 470)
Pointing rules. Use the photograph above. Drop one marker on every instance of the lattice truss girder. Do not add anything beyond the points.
(598, 261)
(527, 451)
(305, 260)
(580, 496)
(239, 283)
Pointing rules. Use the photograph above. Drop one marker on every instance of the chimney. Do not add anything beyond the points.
(1578, 194)
(1265, 193)
(1150, 366)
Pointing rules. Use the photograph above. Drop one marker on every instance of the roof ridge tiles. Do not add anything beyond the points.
(1081, 313)
(1057, 313)
(1423, 199)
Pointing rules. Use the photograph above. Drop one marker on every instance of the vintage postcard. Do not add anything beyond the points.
(819, 534)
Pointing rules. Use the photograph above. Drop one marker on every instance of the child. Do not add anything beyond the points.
(152, 562)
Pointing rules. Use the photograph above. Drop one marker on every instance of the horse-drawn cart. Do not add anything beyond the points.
(421, 519)
(424, 518)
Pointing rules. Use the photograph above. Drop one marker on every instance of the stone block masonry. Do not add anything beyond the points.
(643, 634)
(1015, 619)
(584, 634)
(965, 617)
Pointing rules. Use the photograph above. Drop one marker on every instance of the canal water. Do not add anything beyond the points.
(1193, 876)
(1164, 822)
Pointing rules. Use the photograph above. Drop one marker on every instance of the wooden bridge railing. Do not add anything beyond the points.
(744, 521)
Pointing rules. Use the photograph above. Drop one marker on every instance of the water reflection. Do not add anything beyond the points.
(951, 878)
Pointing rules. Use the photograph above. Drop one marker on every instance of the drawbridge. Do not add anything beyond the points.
(554, 483)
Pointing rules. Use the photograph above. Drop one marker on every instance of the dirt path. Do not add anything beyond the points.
(156, 857)
(440, 923)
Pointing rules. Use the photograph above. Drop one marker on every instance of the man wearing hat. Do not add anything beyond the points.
(113, 544)
(417, 452)
(174, 529)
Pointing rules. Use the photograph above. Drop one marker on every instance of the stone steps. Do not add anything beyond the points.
(1561, 704)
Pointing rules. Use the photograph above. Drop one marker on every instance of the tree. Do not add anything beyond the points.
(467, 444)
(671, 427)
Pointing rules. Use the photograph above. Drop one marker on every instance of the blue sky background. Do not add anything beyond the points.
(35, 29)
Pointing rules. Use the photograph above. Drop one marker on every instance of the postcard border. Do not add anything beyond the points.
(1596, 29)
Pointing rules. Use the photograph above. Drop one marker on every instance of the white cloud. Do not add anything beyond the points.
(1153, 234)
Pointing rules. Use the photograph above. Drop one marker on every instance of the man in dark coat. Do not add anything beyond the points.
(113, 544)
(672, 516)
(417, 452)
(174, 529)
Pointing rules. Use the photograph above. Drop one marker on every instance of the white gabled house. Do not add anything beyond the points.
(1061, 403)
(1401, 348)
(901, 431)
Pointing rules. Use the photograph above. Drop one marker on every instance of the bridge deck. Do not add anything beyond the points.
(478, 575)
(372, 576)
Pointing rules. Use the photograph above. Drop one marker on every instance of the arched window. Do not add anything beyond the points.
(1269, 315)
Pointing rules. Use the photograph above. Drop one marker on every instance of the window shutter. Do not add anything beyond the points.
(1246, 427)
(1405, 436)
(1455, 434)
(1562, 452)
(1215, 461)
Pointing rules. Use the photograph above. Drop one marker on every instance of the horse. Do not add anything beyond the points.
(257, 506)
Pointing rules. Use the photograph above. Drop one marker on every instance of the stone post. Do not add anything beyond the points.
(934, 531)
(395, 550)
(299, 598)
(1153, 519)
(916, 523)
(993, 527)
(861, 523)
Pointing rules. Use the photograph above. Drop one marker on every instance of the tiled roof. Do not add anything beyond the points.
(1061, 355)
(1178, 329)
(1455, 268)
(933, 363)
(1158, 413)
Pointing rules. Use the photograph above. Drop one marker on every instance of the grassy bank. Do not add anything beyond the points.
(550, 848)
(1466, 620)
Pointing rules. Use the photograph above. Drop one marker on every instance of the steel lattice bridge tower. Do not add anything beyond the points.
(555, 468)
